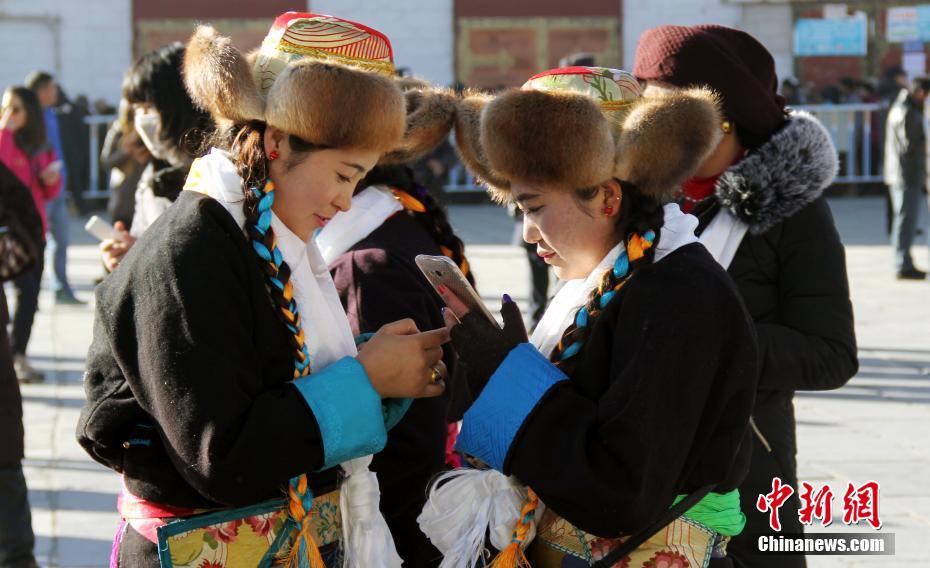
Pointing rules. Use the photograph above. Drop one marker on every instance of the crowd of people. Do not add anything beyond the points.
(276, 380)
(848, 90)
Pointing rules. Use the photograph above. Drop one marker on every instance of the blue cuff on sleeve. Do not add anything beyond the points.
(363, 338)
(347, 409)
(492, 422)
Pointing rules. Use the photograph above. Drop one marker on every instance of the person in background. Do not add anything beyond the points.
(432, 170)
(26, 151)
(125, 157)
(906, 171)
(763, 217)
(371, 250)
(75, 143)
(580, 59)
(45, 88)
(16, 537)
(791, 90)
(893, 80)
(172, 130)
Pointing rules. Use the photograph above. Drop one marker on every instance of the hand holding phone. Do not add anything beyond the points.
(443, 274)
(101, 229)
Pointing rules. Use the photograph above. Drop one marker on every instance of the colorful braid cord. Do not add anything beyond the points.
(513, 555)
(277, 274)
(303, 552)
(635, 249)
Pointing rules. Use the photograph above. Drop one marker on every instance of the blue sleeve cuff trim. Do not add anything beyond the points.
(491, 424)
(347, 409)
(363, 338)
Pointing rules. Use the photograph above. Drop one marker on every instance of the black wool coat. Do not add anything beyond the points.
(16, 203)
(188, 378)
(11, 401)
(657, 405)
(379, 282)
(790, 270)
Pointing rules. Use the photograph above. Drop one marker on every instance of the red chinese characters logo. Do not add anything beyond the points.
(860, 503)
(816, 505)
(773, 501)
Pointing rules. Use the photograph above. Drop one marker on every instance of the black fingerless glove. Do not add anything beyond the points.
(482, 346)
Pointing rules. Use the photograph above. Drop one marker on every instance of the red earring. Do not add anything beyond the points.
(608, 210)
(273, 155)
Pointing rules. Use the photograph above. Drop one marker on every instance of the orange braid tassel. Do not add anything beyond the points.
(303, 536)
(408, 201)
(513, 555)
(314, 558)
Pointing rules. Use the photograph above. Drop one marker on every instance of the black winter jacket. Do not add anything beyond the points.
(791, 271)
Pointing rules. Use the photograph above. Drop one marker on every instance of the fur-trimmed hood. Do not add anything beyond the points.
(775, 181)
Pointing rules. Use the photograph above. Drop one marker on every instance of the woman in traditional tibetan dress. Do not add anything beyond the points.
(635, 389)
(371, 250)
(224, 382)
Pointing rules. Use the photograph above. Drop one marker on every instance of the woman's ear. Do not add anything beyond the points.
(274, 142)
(611, 197)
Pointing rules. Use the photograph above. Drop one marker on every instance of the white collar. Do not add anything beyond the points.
(370, 209)
(329, 337)
(677, 231)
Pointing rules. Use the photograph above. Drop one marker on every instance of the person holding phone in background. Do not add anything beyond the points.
(26, 151)
(171, 128)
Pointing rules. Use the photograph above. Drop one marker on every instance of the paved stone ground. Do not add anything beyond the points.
(874, 428)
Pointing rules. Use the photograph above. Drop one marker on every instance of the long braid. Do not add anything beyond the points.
(642, 222)
(642, 226)
(429, 213)
(259, 198)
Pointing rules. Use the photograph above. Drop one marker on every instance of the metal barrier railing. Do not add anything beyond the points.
(852, 127)
(95, 121)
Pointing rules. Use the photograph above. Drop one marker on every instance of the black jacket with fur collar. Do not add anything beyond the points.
(791, 271)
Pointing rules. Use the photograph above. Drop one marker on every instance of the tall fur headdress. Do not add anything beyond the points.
(326, 80)
(581, 126)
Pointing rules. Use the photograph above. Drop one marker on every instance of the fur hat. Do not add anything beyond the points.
(430, 117)
(581, 126)
(323, 79)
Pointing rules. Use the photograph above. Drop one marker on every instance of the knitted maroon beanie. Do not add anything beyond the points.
(729, 61)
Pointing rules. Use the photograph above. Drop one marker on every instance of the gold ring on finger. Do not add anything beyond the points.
(435, 375)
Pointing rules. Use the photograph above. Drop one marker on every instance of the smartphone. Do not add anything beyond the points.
(101, 229)
(442, 270)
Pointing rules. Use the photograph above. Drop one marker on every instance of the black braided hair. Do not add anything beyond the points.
(639, 214)
(248, 151)
(434, 219)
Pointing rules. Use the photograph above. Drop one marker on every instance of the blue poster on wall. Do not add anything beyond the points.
(830, 37)
(908, 23)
